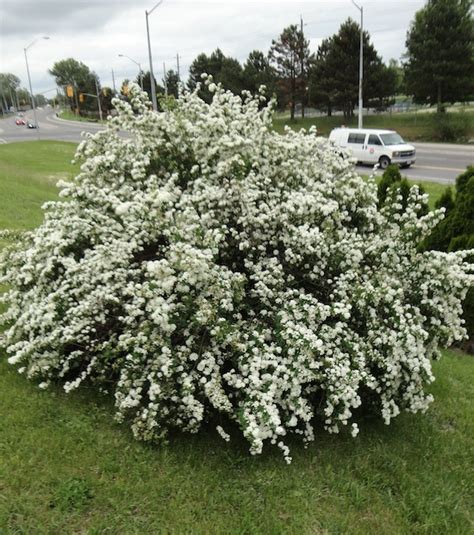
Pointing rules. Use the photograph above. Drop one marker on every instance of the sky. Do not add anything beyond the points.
(97, 31)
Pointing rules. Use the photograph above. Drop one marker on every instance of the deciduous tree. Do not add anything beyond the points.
(9, 83)
(77, 74)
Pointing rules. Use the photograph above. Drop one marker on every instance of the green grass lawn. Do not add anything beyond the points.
(29, 172)
(71, 116)
(411, 126)
(66, 467)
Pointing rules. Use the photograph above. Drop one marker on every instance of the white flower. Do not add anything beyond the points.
(122, 208)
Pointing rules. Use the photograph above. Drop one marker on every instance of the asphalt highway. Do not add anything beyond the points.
(435, 162)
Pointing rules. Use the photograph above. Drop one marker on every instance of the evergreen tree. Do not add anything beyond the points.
(456, 232)
(322, 89)
(171, 83)
(399, 76)
(224, 70)
(335, 75)
(440, 53)
(257, 72)
(147, 85)
(292, 59)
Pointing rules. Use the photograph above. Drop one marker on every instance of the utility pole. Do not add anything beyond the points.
(152, 77)
(98, 98)
(177, 65)
(76, 97)
(164, 79)
(361, 62)
(113, 83)
(29, 82)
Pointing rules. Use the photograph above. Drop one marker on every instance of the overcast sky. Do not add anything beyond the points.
(96, 31)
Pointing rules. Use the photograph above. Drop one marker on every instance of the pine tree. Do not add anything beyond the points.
(334, 79)
(291, 57)
(440, 55)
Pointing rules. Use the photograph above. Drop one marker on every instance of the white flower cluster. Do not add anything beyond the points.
(203, 267)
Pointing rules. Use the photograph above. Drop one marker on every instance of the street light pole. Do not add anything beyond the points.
(29, 82)
(152, 76)
(138, 65)
(361, 61)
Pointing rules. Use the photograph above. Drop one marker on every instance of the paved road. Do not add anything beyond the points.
(50, 127)
(436, 162)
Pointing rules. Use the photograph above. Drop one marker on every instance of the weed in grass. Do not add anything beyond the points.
(74, 494)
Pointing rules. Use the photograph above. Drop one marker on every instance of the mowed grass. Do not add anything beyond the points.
(66, 467)
(71, 116)
(411, 126)
(29, 172)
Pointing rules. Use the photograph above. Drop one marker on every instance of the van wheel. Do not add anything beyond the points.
(384, 162)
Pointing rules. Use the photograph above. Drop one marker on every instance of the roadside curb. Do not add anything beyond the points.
(86, 124)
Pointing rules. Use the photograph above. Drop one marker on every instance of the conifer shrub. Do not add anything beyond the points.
(392, 185)
(202, 267)
(456, 233)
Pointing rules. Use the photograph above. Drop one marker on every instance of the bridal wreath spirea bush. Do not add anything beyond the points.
(204, 268)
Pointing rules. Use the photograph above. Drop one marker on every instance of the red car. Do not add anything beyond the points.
(20, 122)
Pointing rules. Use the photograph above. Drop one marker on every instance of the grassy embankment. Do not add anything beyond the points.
(65, 467)
(71, 116)
(411, 126)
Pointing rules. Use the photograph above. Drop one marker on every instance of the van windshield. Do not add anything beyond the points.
(392, 139)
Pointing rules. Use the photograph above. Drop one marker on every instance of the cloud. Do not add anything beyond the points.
(27, 17)
(96, 31)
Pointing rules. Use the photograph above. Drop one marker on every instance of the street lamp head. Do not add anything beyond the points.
(35, 41)
(120, 55)
(154, 7)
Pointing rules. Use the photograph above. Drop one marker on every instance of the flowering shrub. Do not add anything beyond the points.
(205, 267)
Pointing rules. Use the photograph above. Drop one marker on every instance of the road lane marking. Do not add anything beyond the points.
(438, 168)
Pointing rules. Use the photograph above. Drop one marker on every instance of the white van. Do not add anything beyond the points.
(372, 146)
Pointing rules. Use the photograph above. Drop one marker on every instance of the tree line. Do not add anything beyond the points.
(437, 68)
(294, 75)
(13, 96)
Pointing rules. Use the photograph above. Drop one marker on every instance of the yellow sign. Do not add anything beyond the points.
(125, 90)
(69, 91)
(81, 97)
